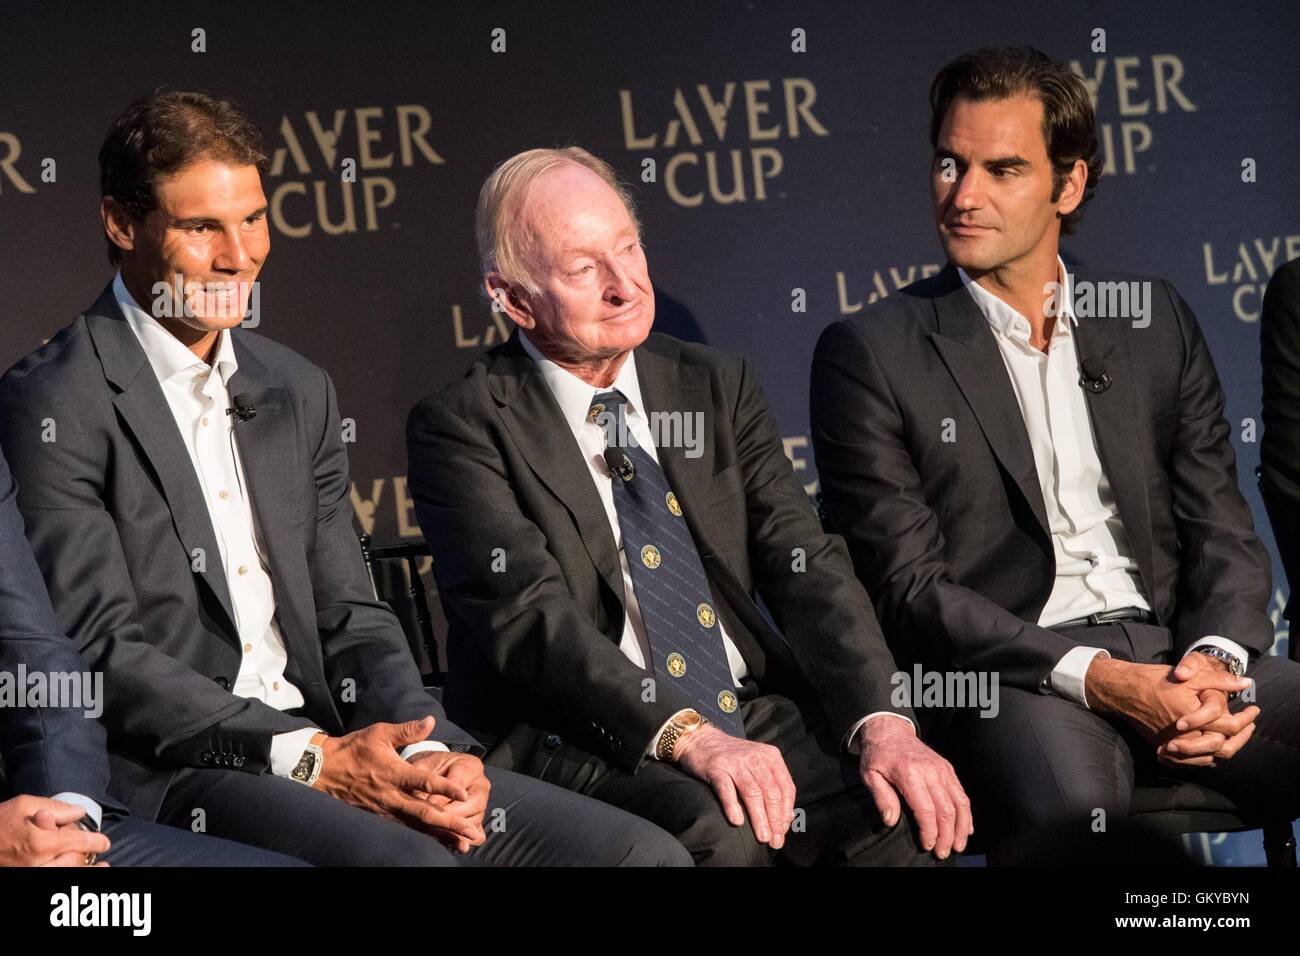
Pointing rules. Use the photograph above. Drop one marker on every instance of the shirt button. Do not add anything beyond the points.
(243, 569)
(275, 685)
(248, 648)
(205, 422)
(223, 494)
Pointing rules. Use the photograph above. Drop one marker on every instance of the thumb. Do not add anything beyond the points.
(411, 731)
(885, 796)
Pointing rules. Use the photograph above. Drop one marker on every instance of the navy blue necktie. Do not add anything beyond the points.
(672, 590)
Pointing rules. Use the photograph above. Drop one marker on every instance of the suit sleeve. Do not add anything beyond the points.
(45, 749)
(522, 615)
(155, 706)
(817, 602)
(873, 495)
(1279, 452)
(1225, 576)
(361, 638)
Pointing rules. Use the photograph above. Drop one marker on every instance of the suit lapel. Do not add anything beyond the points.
(144, 410)
(533, 417)
(668, 388)
(1117, 432)
(968, 348)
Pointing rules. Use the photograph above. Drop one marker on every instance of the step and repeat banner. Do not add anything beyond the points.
(778, 154)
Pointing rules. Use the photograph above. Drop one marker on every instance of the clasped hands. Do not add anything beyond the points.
(1182, 710)
(441, 793)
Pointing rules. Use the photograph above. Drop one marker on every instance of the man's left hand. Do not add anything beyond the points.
(466, 770)
(894, 761)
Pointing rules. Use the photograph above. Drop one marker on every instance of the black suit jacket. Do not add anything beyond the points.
(1279, 451)
(43, 750)
(116, 518)
(494, 465)
(951, 537)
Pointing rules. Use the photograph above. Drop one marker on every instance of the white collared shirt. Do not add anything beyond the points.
(199, 400)
(1095, 570)
(574, 398)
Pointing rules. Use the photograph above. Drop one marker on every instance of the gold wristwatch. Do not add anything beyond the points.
(683, 723)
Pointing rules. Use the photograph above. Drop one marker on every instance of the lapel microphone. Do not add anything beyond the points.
(244, 408)
(1094, 377)
(618, 463)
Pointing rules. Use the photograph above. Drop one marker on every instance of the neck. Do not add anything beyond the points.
(597, 372)
(1020, 284)
(202, 342)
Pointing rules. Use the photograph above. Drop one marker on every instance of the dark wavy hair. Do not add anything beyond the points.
(162, 133)
(1069, 122)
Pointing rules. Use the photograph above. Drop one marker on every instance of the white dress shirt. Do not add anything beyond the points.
(1095, 570)
(199, 400)
(574, 398)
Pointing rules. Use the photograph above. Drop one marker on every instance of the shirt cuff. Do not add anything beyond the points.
(93, 809)
(1067, 677)
(1232, 647)
(851, 742)
(420, 746)
(287, 749)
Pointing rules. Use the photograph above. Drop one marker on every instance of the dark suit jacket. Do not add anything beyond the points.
(951, 537)
(494, 465)
(43, 750)
(1279, 452)
(116, 518)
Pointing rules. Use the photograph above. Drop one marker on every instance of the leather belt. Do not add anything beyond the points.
(1107, 617)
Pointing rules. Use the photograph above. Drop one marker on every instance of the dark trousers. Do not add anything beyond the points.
(1045, 765)
(139, 843)
(840, 823)
(527, 824)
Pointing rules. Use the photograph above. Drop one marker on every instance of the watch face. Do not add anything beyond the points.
(305, 765)
(687, 721)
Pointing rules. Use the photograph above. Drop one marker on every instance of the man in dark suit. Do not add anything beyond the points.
(1279, 450)
(186, 493)
(603, 506)
(1041, 488)
(54, 802)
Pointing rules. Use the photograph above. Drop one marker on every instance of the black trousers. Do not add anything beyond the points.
(1046, 766)
(138, 843)
(840, 823)
(527, 824)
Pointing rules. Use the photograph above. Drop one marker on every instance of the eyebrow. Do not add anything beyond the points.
(210, 221)
(1002, 162)
(629, 233)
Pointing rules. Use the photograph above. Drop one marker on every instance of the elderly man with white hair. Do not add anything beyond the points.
(605, 505)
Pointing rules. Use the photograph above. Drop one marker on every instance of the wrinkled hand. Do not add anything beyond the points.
(742, 771)
(894, 760)
(1163, 707)
(362, 768)
(466, 771)
(1196, 730)
(38, 831)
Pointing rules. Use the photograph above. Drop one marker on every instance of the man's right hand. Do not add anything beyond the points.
(1148, 696)
(38, 831)
(363, 768)
(742, 771)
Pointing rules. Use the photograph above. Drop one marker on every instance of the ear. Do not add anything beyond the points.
(118, 224)
(510, 299)
(1072, 189)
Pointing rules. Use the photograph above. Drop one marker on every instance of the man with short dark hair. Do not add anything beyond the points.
(1038, 488)
(185, 487)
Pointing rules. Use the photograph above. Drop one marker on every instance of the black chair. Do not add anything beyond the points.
(395, 579)
(1170, 807)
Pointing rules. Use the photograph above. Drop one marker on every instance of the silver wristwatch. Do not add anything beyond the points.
(1234, 664)
(309, 765)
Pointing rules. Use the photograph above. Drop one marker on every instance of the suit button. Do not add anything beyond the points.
(552, 741)
(238, 761)
(222, 682)
(206, 756)
(616, 745)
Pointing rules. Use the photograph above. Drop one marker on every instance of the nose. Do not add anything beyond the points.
(233, 255)
(969, 191)
(619, 286)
